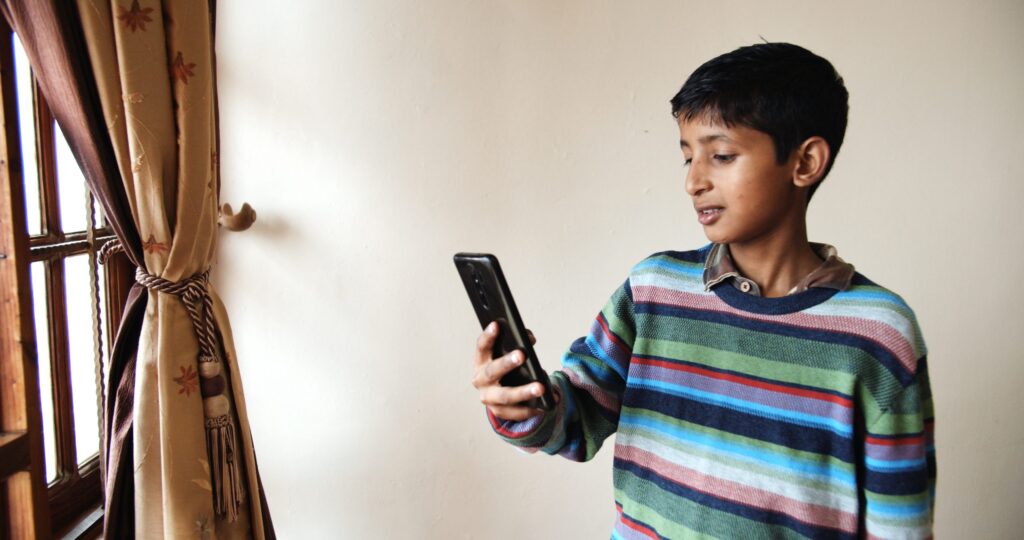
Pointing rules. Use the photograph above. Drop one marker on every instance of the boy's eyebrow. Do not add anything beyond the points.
(706, 139)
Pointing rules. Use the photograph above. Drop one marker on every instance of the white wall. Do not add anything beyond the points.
(376, 139)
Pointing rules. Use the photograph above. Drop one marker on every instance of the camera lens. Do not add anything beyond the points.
(483, 300)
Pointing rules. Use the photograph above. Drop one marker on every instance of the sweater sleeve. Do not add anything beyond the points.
(899, 464)
(589, 388)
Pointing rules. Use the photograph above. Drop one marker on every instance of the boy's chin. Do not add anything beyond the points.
(716, 237)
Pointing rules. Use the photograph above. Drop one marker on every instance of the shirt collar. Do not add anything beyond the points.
(834, 273)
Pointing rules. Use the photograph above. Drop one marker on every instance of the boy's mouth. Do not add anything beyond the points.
(707, 215)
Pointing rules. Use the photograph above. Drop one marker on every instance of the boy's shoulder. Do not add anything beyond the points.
(864, 299)
(865, 294)
(693, 256)
(679, 269)
(868, 291)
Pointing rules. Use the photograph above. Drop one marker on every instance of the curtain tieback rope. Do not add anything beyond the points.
(108, 249)
(225, 469)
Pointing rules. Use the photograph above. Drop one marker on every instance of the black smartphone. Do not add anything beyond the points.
(492, 300)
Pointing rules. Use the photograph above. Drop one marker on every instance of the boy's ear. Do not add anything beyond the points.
(812, 160)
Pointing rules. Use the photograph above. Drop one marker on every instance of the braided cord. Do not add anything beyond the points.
(108, 250)
(193, 293)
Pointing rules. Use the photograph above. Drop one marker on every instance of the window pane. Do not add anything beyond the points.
(27, 128)
(81, 356)
(38, 279)
(70, 185)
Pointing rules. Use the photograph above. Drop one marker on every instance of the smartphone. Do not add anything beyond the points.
(492, 300)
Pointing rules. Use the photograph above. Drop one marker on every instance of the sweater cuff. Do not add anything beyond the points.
(524, 432)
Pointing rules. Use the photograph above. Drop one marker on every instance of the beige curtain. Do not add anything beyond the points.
(153, 63)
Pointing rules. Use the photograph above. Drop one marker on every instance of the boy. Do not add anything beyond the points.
(759, 386)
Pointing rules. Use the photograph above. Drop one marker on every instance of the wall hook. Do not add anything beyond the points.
(236, 222)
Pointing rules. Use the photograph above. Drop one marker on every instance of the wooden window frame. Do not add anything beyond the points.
(71, 506)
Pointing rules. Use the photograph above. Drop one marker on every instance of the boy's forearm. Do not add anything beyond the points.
(574, 429)
(588, 389)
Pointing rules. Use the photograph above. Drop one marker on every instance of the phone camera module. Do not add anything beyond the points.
(483, 299)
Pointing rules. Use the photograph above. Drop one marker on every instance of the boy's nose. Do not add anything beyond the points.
(696, 179)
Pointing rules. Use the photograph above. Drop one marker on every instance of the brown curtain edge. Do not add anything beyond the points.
(119, 486)
(268, 525)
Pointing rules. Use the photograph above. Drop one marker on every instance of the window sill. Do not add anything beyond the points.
(89, 526)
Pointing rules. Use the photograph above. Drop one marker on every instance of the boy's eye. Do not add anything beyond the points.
(686, 161)
(724, 158)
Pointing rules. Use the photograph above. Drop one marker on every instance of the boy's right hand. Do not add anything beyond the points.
(504, 402)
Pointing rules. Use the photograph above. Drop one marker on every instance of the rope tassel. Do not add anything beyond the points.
(225, 475)
(220, 444)
(225, 471)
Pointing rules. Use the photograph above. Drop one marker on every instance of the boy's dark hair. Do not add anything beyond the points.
(781, 89)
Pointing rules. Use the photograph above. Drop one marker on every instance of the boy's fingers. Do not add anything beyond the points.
(502, 395)
(494, 371)
(515, 414)
(533, 338)
(484, 343)
(491, 372)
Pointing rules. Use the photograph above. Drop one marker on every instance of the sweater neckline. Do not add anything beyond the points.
(790, 303)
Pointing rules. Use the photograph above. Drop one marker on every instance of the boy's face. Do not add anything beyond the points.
(741, 194)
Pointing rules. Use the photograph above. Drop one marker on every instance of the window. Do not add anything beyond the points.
(74, 303)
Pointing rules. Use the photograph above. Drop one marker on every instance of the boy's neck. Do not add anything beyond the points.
(776, 264)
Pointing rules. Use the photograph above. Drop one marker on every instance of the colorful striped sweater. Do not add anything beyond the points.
(746, 417)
